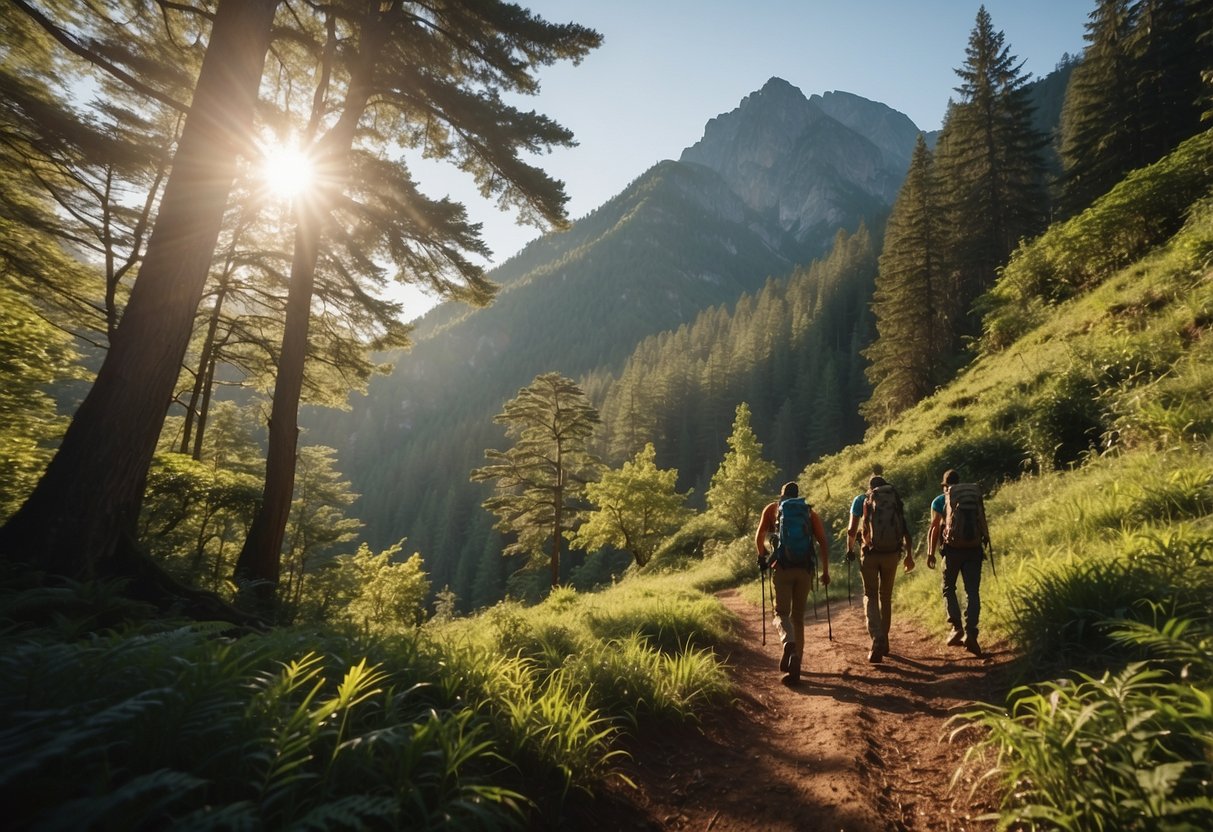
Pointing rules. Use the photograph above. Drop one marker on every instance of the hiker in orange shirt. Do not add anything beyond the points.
(788, 526)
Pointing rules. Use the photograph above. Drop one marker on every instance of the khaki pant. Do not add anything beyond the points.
(791, 590)
(878, 572)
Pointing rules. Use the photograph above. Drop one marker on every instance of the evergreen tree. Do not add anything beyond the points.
(990, 169)
(436, 75)
(88, 499)
(911, 352)
(634, 508)
(742, 483)
(1100, 127)
(541, 480)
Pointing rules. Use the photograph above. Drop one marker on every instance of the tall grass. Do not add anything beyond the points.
(1131, 749)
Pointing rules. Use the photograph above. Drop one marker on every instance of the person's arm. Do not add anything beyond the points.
(909, 543)
(933, 537)
(764, 528)
(819, 532)
(852, 531)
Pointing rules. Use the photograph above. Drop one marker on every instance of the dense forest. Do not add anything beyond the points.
(1033, 308)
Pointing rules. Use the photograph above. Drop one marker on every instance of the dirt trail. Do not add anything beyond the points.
(854, 747)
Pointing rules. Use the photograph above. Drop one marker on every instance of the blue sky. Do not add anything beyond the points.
(668, 66)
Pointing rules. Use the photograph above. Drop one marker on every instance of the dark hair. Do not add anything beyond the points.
(790, 490)
(877, 469)
(876, 481)
(950, 477)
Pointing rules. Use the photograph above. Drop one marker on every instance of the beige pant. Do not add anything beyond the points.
(878, 572)
(791, 590)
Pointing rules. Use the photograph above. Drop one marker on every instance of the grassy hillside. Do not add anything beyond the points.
(1088, 419)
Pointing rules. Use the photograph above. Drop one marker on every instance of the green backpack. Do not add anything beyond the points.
(884, 522)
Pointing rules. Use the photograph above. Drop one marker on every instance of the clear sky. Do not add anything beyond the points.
(668, 66)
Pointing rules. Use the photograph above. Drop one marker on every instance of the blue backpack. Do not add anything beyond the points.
(795, 547)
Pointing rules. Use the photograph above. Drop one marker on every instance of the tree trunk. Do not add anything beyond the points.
(88, 498)
(259, 561)
(200, 395)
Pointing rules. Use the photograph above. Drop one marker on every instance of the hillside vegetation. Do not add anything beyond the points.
(1090, 431)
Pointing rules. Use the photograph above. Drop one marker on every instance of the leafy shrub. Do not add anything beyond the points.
(1067, 422)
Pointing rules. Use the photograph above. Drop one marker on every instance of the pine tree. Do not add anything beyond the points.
(990, 169)
(742, 483)
(88, 499)
(1100, 128)
(540, 481)
(913, 345)
(437, 73)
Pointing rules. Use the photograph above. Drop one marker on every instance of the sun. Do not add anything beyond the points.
(286, 170)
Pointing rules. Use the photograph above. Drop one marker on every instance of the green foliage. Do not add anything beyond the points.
(635, 508)
(742, 485)
(1143, 211)
(32, 355)
(371, 592)
(540, 480)
(1130, 749)
(253, 733)
(912, 353)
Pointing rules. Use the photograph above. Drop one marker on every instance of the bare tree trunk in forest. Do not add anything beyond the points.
(260, 559)
(200, 395)
(88, 499)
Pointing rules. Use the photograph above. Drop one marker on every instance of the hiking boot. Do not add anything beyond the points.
(883, 644)
(972, 646)
(789, 650)
(792, 677)
(957, 639)
(874, 655)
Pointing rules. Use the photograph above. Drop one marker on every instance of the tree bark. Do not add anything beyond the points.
(89, 497)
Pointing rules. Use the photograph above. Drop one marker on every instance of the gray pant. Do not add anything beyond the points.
(966, 564)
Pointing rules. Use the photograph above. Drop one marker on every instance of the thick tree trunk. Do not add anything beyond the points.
(89, 497)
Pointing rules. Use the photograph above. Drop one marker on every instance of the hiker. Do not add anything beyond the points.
(878, 521)
(959, 530)
(787, 525)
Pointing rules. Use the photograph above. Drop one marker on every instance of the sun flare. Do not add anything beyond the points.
(287, 171)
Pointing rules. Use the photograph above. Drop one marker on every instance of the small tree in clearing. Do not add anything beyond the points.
(540, 481)
(635, 508)
(741, 484)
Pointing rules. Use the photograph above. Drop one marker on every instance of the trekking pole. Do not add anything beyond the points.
(993, 568)
(829, 624)
(762, 579)
(813, 590)
(849, 560)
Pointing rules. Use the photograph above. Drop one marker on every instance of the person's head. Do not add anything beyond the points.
(877, 469)
(876, 481)
(789, 490)
(950, 477)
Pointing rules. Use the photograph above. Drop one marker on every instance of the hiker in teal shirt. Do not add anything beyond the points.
(962, 557)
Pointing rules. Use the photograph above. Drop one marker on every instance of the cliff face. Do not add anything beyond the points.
(809, 165)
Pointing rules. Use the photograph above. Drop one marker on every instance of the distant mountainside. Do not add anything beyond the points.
(811, 166)
(766, 187)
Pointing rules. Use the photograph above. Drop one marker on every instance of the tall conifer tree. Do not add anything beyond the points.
(912, 305)
(1100, 124)
(991, 168)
